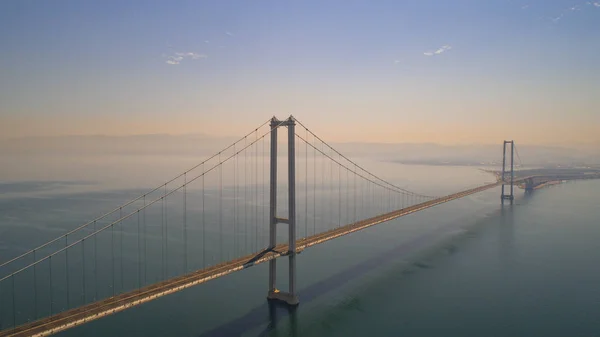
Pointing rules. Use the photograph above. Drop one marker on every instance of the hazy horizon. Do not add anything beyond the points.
(199, 145)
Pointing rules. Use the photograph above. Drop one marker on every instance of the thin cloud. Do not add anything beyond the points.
(228, 33)
(575, 8)
(193, 56)
(439, 51)
(174, 59)
(180, 56)
(570, 10)
(206, 41)
(525, 7)
(443, 49)
(556, 19)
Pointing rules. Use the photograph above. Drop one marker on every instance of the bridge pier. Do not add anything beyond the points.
(275, 294)
(529, 185)
(510, 196)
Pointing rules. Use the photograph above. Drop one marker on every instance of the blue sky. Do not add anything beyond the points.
(445, 71)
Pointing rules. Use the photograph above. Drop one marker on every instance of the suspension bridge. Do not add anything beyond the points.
(225, 213)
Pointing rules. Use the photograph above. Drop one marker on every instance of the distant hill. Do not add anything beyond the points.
(198, 144)
(472, 155)
(151, 144)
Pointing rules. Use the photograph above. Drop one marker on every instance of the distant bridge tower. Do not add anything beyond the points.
(511, 179)
(529, 184)
(274, 294)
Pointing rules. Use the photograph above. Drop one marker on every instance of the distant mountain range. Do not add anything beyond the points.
(473, 155)
(198, 144)
(150, 144)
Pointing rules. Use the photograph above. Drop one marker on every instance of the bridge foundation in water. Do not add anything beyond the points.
(275, 294)
(510, 196)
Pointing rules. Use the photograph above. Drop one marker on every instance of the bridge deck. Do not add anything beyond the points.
(92, 311)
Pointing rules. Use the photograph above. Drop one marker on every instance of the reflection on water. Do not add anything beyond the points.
(434, 240)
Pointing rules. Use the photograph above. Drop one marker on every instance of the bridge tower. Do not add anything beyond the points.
(510, 196)
(289, 297)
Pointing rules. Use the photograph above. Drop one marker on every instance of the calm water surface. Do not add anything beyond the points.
(466, 268)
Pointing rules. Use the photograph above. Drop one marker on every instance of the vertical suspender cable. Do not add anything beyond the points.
(332, 190)
(145, 242)
(323, 196)
(220, 209)
(347, 196)
(112, 255)
(83, 271)
(166, 235)
(34, 287)
(373, 198)
(203, 223)
(306, 186)
(67, 273)
(139, 251)
(51, 287)
(14, 303)
(162, 233)
(256, 190)
(314, 186)
(121, 251)
(1, 307)
(354, 189)
(339, 193)
(245, 198)
(264, 186)
(235, 187)
(95, 264)
(185, 262)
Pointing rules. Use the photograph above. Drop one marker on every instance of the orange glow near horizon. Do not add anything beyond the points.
(343, 131)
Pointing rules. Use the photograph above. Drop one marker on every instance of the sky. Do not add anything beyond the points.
(448, 72)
